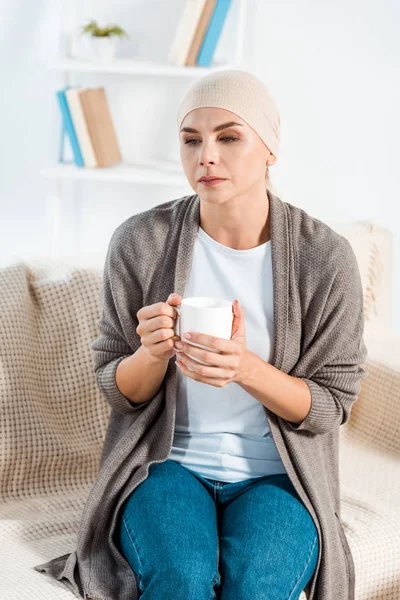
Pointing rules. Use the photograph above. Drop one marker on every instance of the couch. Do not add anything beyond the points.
(54, 418)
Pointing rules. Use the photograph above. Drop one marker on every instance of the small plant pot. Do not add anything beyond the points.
(103, 48)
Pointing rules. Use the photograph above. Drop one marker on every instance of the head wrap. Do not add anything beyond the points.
(241, 93)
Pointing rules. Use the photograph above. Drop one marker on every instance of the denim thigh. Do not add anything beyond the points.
(168, 533)
(268, 540)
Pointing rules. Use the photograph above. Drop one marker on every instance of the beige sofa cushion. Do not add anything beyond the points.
(373, 246)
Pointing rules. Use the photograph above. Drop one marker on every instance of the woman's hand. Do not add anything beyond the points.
(231, 365)
(157, 327)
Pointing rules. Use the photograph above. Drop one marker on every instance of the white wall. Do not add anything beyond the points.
(333, 69)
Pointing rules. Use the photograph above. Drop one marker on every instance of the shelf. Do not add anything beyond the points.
(135, 66)
(159, 173)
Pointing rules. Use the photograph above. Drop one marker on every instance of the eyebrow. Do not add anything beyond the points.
(217, 128)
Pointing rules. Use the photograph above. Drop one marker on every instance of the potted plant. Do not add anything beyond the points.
(103, 40)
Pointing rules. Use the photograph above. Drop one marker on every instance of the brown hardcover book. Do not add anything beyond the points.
(200, 32)
(101, 126)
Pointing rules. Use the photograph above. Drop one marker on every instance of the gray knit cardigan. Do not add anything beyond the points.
(319, 324)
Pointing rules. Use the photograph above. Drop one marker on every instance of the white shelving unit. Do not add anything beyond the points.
(159, 172)
(132, 66)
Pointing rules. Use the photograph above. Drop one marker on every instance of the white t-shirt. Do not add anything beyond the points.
(223, 433)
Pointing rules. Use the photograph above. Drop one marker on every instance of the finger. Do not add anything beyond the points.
(211, 372)
(155, 310)
(211, 341)
(174, 299)
(212, 358)
(161, 322)
(198, 377)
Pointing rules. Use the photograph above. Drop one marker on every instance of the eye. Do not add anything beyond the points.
(233, 139)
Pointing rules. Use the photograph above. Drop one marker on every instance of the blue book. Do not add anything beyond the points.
(213, 33)
(69, 129)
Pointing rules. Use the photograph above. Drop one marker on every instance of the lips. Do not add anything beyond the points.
(211, 179)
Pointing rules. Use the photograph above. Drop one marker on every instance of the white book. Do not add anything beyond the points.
(185, 32)
(81, 128)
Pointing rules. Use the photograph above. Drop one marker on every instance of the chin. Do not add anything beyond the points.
(212, 190)
(213, 198)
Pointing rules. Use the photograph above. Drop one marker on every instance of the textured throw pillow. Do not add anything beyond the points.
(372, 245)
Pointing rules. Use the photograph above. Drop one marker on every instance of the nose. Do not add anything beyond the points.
(208, 154)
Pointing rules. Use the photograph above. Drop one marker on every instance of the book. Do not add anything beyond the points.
(68, 127)
(200, 31)
(81, 127)
(186, 31)
(100, 126)
(213, 33)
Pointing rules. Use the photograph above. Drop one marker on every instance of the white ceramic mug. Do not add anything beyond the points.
(204, 314)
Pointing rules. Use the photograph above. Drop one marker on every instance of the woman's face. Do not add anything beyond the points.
(235, 153)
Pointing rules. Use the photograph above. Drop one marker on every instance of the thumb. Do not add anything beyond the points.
(238, 324)
(174, 298)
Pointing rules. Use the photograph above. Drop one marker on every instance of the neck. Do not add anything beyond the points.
(237, 223)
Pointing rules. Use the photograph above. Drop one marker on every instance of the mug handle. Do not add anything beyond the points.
(177, 321)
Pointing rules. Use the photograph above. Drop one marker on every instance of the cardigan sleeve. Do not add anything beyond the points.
(121, 298)
(336, 356)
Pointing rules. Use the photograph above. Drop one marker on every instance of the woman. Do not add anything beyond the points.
(223, 480)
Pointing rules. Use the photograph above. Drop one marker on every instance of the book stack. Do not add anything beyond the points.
(198, 32)
(88, 124)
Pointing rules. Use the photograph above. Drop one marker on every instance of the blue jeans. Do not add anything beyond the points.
(185, 535)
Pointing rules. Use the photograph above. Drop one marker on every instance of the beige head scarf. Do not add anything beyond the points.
(242, 93)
